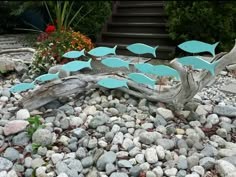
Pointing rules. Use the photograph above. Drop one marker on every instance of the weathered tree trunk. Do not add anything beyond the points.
(191, 83)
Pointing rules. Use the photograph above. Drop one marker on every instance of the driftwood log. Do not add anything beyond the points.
(190, 84)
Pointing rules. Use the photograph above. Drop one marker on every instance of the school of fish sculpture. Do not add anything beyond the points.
(102, 51)
(163, 70)
(139, 48)
(21, 87)
(74, 54)
(195, 46)
(144, 67)
(77, 65)
(142, 79)
(115, 63)
(198, 63)
(46, 77)
(112, 83)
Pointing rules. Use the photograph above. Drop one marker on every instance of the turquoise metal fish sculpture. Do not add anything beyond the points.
(144, 67)
(139, 48)
(115, 63)
(74, 54)
(112, 83)
(195, 46)
(162, 70)
(22, 87)
(46, 77)
(102, 51)
(142, 79)
(76, 65)
(198, 63)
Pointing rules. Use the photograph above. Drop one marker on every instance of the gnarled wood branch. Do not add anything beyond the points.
(177, 96)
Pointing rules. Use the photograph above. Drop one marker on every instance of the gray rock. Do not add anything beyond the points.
(158, 171)
(107, 157)
(42, 151)
(181, 173)
(127, 144)
(118, 174)
(220, 141)
(228, 111)
(145, 166)
(222, 132)
(224, 168)
(42, 137)
(28, 162)
(171, 172)
(135, 171)
(167, 144)
(87, 161)
(18, 168)
(92, 143)
(38, 162)
(207, 162)
(182, 144)
(149, 137)
(5, 164)
(140, 158)
(213, 119)
(61, 167)
(57, 157)
(231, 159)
(65, 123)
(121, 108)
(165, 113)
(79, 133)
(150, 174)
(198, 169)
(15, 126)
(113, 111)
(182, 163)
(22, 114)
(93, 173)
(151, 155)
(67, 109)
(118, 138)
(22, 139)
(124, 164)
(110, 168)
(209, 151)
(11, 154)
(76, 165)
(97, 121)
(192, 161)
(28, 172)
(159, 120)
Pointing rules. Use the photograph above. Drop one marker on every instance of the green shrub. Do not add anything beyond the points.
(93, 22)
(208, 21)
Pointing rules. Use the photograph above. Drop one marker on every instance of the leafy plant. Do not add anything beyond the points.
(34, 124)
(208, 21)
(53, 44)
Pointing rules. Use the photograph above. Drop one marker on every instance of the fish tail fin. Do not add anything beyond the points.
(114, 49)
(153, 83)
(125, 84)
(127, 64)
(82, 51)
(89, 63)
(154, 51)
(212, 68)
(213, 47)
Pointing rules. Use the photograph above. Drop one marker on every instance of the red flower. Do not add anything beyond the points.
(50, 28)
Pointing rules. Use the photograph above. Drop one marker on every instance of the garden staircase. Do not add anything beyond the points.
(137, 22)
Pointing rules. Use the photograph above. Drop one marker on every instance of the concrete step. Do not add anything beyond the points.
(139, 17)
(140, 8)
(159, 28)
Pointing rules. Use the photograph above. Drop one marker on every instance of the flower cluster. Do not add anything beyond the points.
(52, 44)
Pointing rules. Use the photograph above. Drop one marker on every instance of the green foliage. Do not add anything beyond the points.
(92, 23)
(34, 124)
(208, 21)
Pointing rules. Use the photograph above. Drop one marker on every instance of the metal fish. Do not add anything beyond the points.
(194, 46)
(145, 67)
(142, 79)
(115, 62)
(101, 51)
(162, 70)
(139, 48)
(198, 63)
(112, 83)
(74, 54)
(77, 65)
(46, 77)
(22, 87)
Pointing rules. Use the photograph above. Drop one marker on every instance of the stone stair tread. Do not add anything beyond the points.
(136, 24)
(155, 4)
(141, 35)
(139, 14)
